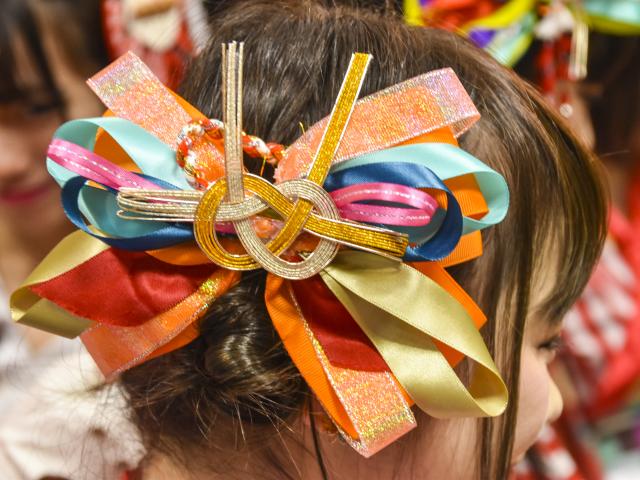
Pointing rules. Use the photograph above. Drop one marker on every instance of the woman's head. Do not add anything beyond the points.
(47, 50)
(236, 379)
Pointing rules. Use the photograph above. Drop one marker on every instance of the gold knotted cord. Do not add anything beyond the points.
(312, 209)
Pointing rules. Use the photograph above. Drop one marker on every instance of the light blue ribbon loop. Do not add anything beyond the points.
(164, 236)
(152, 156)
(157, 162)
(447, 161)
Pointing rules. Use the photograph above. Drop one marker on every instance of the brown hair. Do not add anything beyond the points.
(76, 26)
(237, 377)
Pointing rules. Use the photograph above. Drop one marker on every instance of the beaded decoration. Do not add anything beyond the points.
(253, 146)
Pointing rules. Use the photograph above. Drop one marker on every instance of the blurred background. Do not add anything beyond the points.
(584, 56)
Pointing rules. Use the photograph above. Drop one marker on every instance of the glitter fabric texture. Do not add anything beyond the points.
(233, 190)
(130, 90)
(407, 110)
(373, 400)
(116, 349)
(329, 142)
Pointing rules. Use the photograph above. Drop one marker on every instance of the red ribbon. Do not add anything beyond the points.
(123, 288)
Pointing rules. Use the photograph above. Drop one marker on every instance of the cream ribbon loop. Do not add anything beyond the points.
(403, 330)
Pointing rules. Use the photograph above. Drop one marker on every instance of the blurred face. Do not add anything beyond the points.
(576, 113)
(29, 198)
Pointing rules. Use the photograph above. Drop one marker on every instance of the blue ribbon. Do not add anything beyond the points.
(165, 236)
(446, 161)
(448, 234)
(99, 207)
(418, 166)
(427, 165)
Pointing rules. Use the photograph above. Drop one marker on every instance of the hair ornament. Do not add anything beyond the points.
(164, 33)
(369, 206)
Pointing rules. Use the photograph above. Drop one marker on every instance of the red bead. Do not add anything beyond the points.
(183, 148)
(214, 132)
(202, 183)
(277, 150)
(251, 151)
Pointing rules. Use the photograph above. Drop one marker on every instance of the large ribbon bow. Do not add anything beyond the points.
(383, 175)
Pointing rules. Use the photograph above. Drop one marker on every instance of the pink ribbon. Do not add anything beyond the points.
(422, 205)
(94, 167)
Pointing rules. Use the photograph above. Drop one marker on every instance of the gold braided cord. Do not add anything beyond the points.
(297, 217)
(237, 197)
(338, 120)
(145, 204)
(207, 239)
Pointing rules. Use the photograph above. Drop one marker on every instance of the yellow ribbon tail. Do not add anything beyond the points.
(403, 329)
(27, 308)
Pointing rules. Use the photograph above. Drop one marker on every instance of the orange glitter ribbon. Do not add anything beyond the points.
(393, 116)
(116, 349)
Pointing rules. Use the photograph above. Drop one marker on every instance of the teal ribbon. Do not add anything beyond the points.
(447, 161)
(157, 160)
(152, 156)
(616, 17)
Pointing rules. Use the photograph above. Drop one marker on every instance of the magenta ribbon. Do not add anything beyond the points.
(421, 205)
(92, 166)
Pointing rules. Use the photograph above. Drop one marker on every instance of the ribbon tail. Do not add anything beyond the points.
(406, 332)
(47, 316)
(28, 308)
(368, 408)
(118, 348)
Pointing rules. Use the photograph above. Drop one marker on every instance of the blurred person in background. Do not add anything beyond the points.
(599, 367)
(51, 423)
(165, 34)
(47, 49)
(54, 422)
(602, 357)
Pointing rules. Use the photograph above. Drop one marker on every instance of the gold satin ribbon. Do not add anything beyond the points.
(27, 308)
(403, 329)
